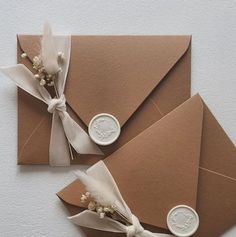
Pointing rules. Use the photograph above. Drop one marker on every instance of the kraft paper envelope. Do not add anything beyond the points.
(184, 158)
(138, 79)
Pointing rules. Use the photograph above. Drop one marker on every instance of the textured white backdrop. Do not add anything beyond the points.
(28, 206)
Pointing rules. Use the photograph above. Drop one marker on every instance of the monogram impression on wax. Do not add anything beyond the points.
(104, 129)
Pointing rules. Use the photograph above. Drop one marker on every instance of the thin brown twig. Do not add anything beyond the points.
(122, 216)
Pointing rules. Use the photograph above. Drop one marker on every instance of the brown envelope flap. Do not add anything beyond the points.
(218, 152)
(212, 189)
(158, 169)
(216, 203)
(114, 74)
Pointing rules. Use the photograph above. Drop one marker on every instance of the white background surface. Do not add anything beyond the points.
(28, 205)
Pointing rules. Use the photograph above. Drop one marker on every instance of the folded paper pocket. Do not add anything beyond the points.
(137, 79)
(183, 159)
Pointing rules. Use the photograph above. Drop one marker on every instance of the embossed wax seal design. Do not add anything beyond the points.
(182, 221)
(104, 129)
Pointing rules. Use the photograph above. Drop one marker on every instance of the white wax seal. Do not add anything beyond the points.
(104, 129)
(182, 221)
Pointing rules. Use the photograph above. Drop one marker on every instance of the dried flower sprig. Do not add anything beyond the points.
(100, 199)
(47, 64)
(105, 208)
(41, 74)
(92, 205)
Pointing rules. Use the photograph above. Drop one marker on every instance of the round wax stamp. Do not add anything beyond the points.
(182, 221)
(104, 129)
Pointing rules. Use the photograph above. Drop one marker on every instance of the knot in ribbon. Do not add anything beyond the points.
(57, 104)
(135, 228)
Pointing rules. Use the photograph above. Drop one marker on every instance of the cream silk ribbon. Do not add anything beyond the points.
(64, 128)
(91, 219)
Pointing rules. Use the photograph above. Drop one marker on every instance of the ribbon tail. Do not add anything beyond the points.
(77, 137)
(49, 51)
(24, 79)
(91, 219)
(147, 233)
(59, 153)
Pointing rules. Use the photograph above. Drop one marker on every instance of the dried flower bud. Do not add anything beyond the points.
(41, 70)
(92, 206)
(24, 55)
(108, 209)
(36, 76)
(49, 76)
(87, 194)
(37, 62)
(51, 83)
(99, 209)
(61, 56)
(83, 198)
(42, 82)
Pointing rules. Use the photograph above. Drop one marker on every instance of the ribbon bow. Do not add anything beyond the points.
(91, 219)
(64, 128)
(58, 104)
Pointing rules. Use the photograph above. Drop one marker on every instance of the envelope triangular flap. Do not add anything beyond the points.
(158, 169)
(114, 74)
(218, 151)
